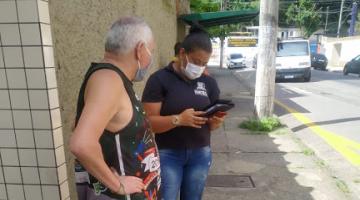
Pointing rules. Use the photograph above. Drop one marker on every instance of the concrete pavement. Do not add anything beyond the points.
(268, 166)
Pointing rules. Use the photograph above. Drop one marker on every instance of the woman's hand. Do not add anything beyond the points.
(130, 184)
(190, 117)
(217, 120)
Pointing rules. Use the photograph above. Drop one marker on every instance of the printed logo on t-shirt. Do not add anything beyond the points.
(200, 89)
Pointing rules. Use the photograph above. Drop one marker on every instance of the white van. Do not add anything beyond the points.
(293, 60)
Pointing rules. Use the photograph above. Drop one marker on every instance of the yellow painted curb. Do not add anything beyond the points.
(348, 148)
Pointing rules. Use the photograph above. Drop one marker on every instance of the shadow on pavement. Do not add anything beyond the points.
(274, 162)
(301, 127)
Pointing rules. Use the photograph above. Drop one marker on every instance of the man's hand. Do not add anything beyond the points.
(130, 184)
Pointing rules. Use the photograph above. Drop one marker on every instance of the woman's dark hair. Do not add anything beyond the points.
(198, 38)
(177, 48)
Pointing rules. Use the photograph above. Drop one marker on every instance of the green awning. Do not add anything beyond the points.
(220, 18)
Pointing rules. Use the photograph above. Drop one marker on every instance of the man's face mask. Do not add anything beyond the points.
(193, 71)
(141, 72)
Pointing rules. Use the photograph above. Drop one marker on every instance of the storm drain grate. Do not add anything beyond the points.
(234, 181)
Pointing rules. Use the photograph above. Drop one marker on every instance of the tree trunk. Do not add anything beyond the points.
(265, 74)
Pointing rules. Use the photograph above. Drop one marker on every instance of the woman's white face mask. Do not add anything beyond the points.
(193, 71)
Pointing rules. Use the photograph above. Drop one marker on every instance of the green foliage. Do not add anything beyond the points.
(265, 124)
(214, 6)
(304, 15)
(308, 152)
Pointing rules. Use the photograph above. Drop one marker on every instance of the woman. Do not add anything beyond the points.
(173, 99)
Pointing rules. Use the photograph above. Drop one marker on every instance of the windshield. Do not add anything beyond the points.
(292, 49)
(235, 56)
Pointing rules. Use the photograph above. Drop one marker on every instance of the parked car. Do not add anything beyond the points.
(353, 66)
(319, 61)
(236, 60)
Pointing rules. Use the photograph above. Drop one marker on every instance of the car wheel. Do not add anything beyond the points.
(345, 71)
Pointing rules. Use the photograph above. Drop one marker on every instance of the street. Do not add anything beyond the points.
(325, 114)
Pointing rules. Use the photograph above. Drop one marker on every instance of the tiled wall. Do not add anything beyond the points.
(32, 161)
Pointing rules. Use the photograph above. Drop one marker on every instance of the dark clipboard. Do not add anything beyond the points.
(221, 105)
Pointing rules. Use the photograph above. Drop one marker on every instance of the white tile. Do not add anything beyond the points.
(56, 118)
(58, 138)
(6, 119)
(53, 98)
(51, 192)
(3, 79)
(46, 34)
(30, 175)
(32, 192)
(22, 119)
(7, 139)
(27, 157)
(48, 176)
(30, 34)
(12, 174)
(44, 12)
(13, 57)
(46, 157)
(33, 57)
(64, 189)
(49, 56)
(38, 99)
(16, 78)
(9, 157)
(8, 12)
(25, 138)
(51, 77)
(2, 191)
(60, 156)
(44, 139)
(15, 192)
(62, 173)
(10, 34)
(19, 99)
(36, 78)
(41, 119)
(4, 99)
(27, 11)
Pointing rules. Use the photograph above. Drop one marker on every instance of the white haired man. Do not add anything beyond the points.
(117, 157)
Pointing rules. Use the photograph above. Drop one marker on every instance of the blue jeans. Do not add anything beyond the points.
(185, 170)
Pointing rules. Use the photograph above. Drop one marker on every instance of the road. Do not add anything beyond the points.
(325, 114)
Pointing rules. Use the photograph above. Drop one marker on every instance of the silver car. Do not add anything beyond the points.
(236, 60)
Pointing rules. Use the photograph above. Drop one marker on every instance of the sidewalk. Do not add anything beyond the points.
(262, 167)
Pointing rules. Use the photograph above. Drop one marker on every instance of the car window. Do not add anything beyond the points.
(235, 56)
(286, 49)
(357, 58)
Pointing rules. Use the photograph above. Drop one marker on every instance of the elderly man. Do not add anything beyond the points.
(117, 157)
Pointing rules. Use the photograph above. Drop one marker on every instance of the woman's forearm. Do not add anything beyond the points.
(161, 124)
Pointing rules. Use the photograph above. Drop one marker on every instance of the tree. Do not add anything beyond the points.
(215, 5)
(305, 16)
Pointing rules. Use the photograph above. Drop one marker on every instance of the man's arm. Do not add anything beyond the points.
(103, 92)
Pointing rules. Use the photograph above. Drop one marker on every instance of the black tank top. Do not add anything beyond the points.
(132, 151)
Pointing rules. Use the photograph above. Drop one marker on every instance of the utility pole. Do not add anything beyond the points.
(265, 73)
(327, 17)
(340, 18)
(223, 5)
(353, 19)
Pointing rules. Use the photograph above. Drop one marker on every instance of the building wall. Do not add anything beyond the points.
(339, 50)
(32, 161)
(79, 28)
